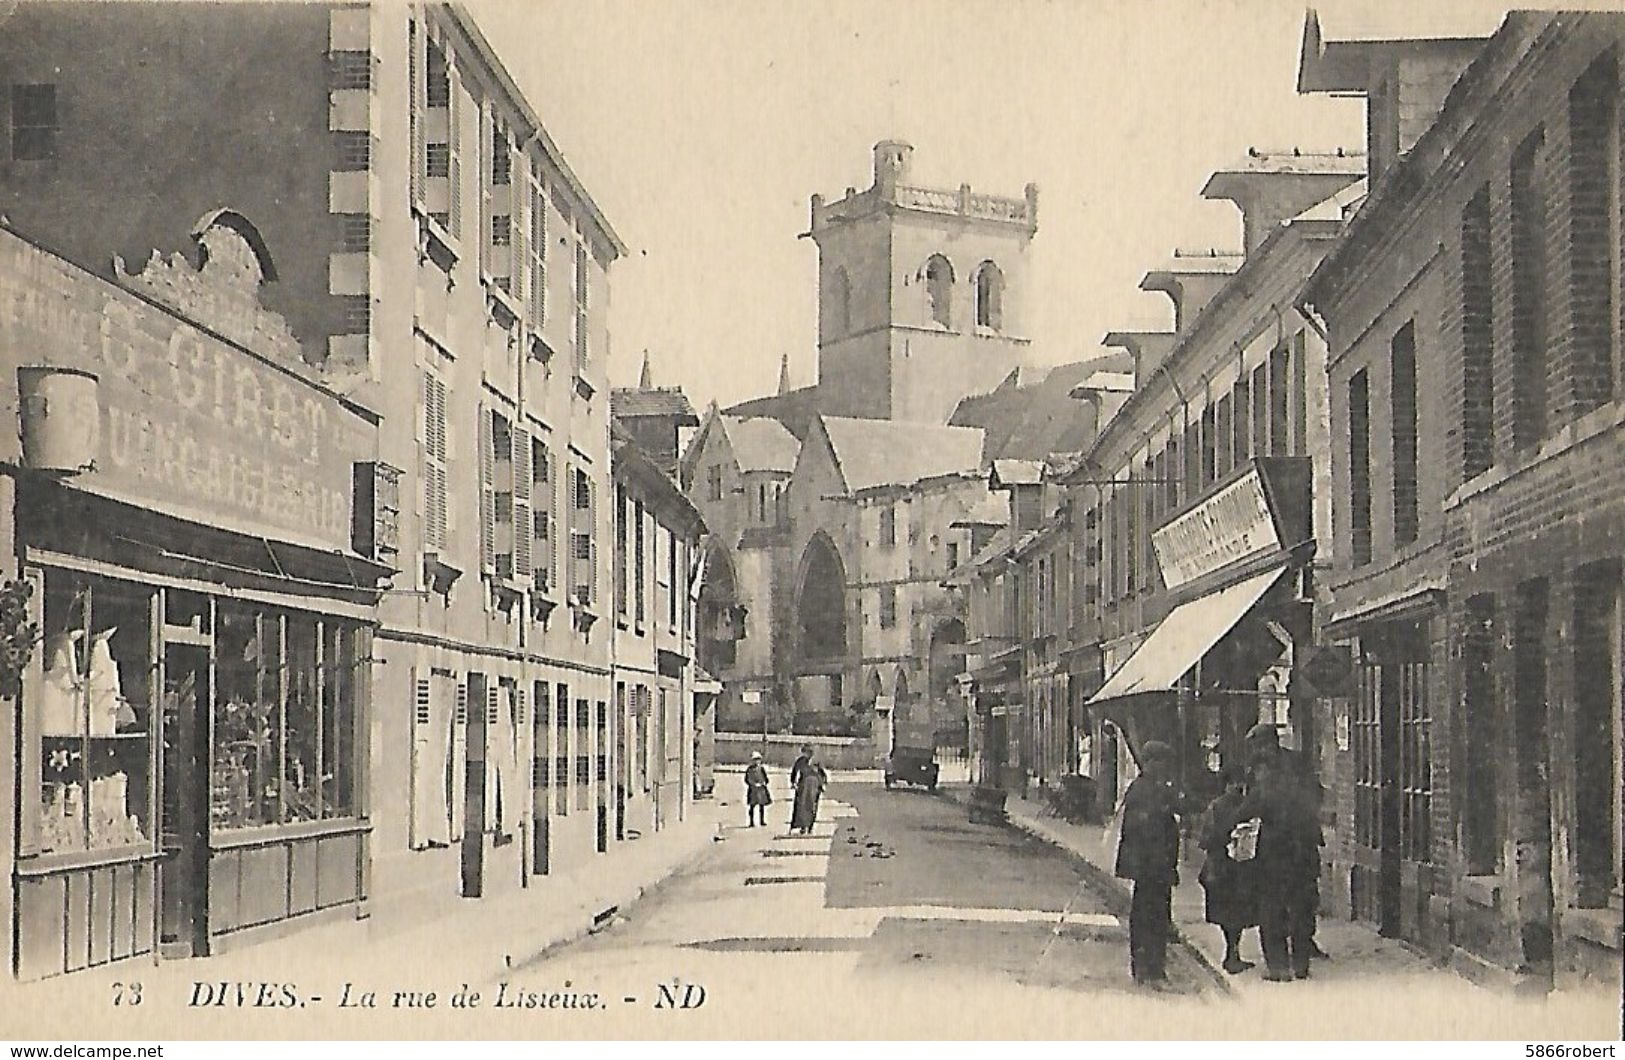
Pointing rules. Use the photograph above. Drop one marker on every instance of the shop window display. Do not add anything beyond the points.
(284, 741)
(301, 723)
(245, 784)
(93, 717)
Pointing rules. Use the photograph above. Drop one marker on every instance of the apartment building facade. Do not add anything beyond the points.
(1197, 506)
(432, 252)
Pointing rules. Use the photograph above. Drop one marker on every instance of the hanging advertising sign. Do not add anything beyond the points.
(1232, 525)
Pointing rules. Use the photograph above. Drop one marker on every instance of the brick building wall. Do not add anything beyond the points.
(1485, 240)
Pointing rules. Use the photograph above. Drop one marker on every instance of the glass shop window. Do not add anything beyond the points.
(341, 658)
(245, 787)
(284, 723)
(90, 731)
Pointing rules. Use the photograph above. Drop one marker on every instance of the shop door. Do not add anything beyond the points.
(473, 841)
(183, 879)
(1375, 731)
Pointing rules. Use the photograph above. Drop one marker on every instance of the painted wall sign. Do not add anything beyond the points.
(1233, 524)
(191, 426)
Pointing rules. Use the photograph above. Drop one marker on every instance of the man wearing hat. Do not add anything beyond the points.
(757, 795)
(1148, 854)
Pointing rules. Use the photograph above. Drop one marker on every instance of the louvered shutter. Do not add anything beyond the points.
(518, 254)
(454, 107)
(538, 256)
(485, 126)
(442, 457)
(458, 773)
(434, 462)
(416, 64)
(542, 514)
(522, 527)
(488, 503)
(592, 541)
(426, 461)
(493, 761)
(422, 755)
(581, 304)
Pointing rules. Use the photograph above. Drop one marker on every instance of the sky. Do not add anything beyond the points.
(702, 127)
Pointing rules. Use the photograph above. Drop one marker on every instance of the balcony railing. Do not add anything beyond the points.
(964, 203)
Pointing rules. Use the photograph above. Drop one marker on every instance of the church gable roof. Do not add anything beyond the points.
(886, 453)
(761, 444)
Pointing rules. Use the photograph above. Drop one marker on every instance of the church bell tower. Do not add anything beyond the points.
(920, 292)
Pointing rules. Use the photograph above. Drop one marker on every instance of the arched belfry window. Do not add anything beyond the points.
(840, 303)
(989, 296)
(939, 289)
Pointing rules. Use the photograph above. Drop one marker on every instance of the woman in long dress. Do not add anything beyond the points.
(809, 788)
(1229, 884)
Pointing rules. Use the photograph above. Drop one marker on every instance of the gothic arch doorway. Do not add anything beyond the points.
(821, 603)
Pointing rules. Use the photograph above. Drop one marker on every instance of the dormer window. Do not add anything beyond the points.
(989, 297)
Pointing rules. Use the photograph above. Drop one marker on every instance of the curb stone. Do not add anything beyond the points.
(1113, 890)
(586, 920)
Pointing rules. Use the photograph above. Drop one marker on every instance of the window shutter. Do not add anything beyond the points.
(416, 73)
(426, 460)
(454, 195)
(538, 256)
(581, 304)
(488, 190)
(542, 505)
(434, 462)
(420, 702)
(523, 530)
(519, 253)
(592, 540)
(488, 504)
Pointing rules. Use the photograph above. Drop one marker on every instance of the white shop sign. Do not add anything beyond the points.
(1232, 525)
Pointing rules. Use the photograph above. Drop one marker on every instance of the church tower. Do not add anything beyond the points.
(920, 293)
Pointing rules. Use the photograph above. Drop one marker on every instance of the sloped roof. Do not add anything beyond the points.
(997, 546)
(793, 408)
(1029, 422)
(1018, 472)
(630, 403)
(761, 444)
(885, 453)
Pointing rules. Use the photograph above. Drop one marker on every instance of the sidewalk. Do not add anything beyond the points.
(1356, 952)
(458, 940)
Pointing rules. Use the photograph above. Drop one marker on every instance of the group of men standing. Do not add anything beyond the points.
(1261, 841)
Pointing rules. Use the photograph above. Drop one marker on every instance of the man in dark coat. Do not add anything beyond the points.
(1148, 854)
(1263, 744)
(1286, 866)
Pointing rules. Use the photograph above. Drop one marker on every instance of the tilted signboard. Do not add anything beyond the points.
(1232, 525)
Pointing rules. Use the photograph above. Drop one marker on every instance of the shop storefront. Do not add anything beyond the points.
(192, 728)
(1221, 660)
